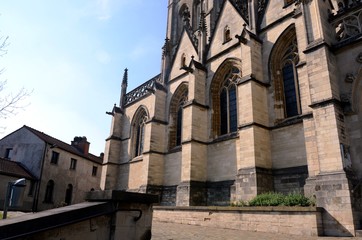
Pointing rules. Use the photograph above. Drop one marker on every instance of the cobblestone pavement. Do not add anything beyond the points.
(174, 231)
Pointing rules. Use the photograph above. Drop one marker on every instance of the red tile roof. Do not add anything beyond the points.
(65, 146)
(15, 169)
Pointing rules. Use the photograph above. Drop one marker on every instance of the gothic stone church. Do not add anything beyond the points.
(253, 96)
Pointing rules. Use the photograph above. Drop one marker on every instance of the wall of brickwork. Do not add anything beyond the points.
(219, 193)
(288, 147)
(234, 21)
(294, 221)
(290, 180)
(172, 169)
(221, 160)
(110, 215)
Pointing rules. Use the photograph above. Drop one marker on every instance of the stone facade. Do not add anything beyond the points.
(253, 96)
(62, 173)
(286, 220)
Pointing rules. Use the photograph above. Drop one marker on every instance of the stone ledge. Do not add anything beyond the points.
(122, 196)
(241, 209)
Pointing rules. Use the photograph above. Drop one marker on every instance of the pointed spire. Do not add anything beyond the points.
(202, 24)
(123, 89)
(125, 77)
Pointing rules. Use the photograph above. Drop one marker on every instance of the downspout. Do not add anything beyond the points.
(37, 189)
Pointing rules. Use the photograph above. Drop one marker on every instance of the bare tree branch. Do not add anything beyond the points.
(10, 103)
(3, 44)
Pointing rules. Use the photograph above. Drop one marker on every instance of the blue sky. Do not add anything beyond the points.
(72, 54)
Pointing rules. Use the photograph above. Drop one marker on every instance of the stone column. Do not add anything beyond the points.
(155, 144)
(191, 191)
(254, 163)
(325, 138)
(112, 153)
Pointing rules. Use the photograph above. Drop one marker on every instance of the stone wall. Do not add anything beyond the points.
(286, 220)
(112, 215)
(289, 180)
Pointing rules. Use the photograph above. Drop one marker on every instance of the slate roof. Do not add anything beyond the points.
(64, 146)
(15, 169)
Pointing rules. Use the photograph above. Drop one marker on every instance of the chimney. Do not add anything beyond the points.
(81, 144)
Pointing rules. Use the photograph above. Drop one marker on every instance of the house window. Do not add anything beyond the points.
(55, 157)
(9, 153)
(139, 132)
(73, 164)
(48, 198)
(68, 194)
(94, 171)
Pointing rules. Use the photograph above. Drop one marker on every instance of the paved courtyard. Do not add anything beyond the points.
(173, 231)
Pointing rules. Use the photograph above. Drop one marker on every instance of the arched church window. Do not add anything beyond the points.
(48, 198)
(228, 109)
(181, 103)
(224, 98)
(183, 19)
(285, 57)
(139, 132)
(196, 13)
(176, 113)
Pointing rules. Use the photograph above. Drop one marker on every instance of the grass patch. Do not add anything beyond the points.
(278, 199)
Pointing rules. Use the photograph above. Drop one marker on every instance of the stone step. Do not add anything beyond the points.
(358, 233)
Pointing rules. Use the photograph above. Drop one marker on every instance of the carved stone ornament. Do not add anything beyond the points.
(349, 78)
(359, 58)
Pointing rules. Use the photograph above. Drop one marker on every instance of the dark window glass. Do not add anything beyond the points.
(9, 153)
(94, 171)
(49, 192)
(140, 137)
(291, 106)
(68, 194)
(55, 157)
(179, 126)
(73, 164)
(223, 112)
(232, 109)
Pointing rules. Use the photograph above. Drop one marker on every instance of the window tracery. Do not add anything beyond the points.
(228, 109)
(284, 59)
(139, 132)
(176, 113)
(224, 98)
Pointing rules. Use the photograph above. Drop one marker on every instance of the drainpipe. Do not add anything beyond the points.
(37, 189)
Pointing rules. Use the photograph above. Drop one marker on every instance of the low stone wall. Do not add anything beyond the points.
(107, 215)
(306, 221)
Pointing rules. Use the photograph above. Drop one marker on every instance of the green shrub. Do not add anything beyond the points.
(277, 199)
(267, 199)
(296, 199)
